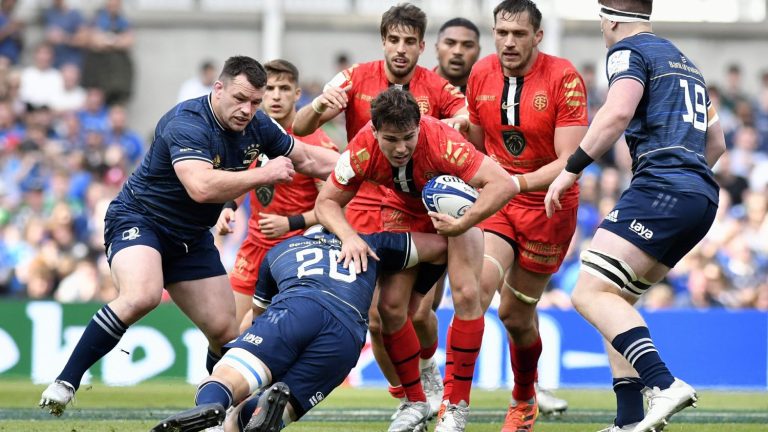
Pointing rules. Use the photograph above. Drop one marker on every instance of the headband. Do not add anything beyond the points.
(621, 16)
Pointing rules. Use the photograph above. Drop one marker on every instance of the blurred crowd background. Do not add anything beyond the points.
(67, 145)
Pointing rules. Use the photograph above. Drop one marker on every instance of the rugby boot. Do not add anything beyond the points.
(196, 419)
(411, 417)
(663, 404)
(453, 417)
(432, 382)
(268, 415)
(521, 416)
(614, 428)
(549, 404)
(57, 396)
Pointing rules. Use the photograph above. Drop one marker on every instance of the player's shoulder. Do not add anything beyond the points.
(365, 69)
(188, 117)
(487, 64)
(558, 67)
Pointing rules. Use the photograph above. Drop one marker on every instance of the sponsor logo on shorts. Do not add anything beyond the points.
(131, 234)
(317, 398)
(612, 216)
(640, 229)
(253, 339)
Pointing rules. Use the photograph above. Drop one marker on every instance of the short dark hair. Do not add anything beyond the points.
(459, 22)
(404, 15)
(395, 107)
(511, 8)
(282, 67)
(637, 6)
(252, 69)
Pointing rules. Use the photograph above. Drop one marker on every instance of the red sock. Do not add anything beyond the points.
(428, 352)
(448, 380)
(465, 343)
(403, 348)
(525, 361)
(397, 392)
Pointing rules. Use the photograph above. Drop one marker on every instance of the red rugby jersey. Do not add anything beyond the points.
(286, 199)
(440, 150)
(519, 115)
(436, 97)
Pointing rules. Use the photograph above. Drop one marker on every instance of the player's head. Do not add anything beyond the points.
(238, 92)
(282, 89)
(614, 13)
(517, 34)
(402, 35)
(458, 47)
(395, 119)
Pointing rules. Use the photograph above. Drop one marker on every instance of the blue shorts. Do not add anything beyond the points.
(182, 260)
(304, 346)
(662, 223)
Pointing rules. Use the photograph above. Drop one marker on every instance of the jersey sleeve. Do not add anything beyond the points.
(472, 90)
(187, 140)
(456, 156)
(572, 100)
(352, 167)
(625, 62)
(341, 79)
(396, 251)
(266, 287)
(451, 100)
(276, 141)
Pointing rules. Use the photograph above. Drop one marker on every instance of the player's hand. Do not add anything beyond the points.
(357, 251)
(225, 223)
(460, 123)
(332, 97)
(272, 225)
(447, 225)
(278, 170)
(552, 201)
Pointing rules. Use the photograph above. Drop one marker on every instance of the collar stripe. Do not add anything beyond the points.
(621, 16)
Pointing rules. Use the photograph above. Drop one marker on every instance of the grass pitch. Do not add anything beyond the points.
(116, 409)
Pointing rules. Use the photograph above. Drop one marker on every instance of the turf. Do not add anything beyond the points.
(102, 408)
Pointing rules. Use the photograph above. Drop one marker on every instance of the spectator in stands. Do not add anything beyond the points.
(119, 134)
(733, 91)
(10, 34)
(94, 115)
(595, 93)
(199, 85)
(41, 83)
(72, 96)
(108, 64)
(66, 31)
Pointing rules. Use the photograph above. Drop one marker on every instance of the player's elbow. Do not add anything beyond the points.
(200, 193)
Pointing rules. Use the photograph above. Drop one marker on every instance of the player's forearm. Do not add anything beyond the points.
(310, 218)
(541, 178)
(605, 130)
(307, 120)
(215, 186)
(330, 214)
(715, 144)
(319, 162)
(476, 136)
(493, 196)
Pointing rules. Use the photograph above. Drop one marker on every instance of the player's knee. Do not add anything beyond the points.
(374, 325)
(515, 321)
(613, 271)
(392, 311)
(135, 307)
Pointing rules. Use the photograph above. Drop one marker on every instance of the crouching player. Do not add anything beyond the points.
(309, 335)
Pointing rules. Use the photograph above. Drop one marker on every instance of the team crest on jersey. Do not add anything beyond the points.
(216, 162)
(251, 153)
(540, 101)
(265, 194)
(423, 102)
(514, 141)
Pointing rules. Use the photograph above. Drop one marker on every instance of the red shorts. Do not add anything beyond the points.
(396, 219)
(541, 242)
(245, 273)
(364, 221)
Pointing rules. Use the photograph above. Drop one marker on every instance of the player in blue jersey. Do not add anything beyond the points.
(658, 99)
(309, 336)
(157, 231)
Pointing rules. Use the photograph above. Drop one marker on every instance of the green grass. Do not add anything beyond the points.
(116, 409)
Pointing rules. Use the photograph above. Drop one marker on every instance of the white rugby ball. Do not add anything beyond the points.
(448, 195)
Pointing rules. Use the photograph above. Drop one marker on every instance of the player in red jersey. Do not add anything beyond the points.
(401, 150)
(351, 91)
(279, 211)
(528, 111)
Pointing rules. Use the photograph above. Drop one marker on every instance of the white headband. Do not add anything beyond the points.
(621, 16)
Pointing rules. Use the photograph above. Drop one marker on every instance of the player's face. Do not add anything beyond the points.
(402, 48)
(457, 51)
(396, 144)
(235, 102)
(280, 96)
(516, 42)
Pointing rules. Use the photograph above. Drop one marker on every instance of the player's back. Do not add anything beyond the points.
(667, 135)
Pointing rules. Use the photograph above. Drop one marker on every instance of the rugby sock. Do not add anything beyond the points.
(448, 380)
(629, 400)
(465, 343)
(425, 357)
(397, 392)
(100, 336)
(403, 348)
(210, 360)
(638, 348)
(524, 361)
(214, 392)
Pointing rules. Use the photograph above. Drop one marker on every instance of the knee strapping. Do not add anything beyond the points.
(495, 262)
(637, 287)
(248, 365)
(520, 296)
(607, 268)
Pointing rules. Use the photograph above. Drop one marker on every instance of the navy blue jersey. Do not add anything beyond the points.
(306, 266)
(667, 135)
(190, 131)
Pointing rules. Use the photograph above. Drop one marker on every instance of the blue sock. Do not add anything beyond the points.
(213, 392)
(100, 336)
(210, 360)
(638, 348)
(629, 400)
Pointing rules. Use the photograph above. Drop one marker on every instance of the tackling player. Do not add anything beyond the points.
(658, 99)
(277, 211)
(401, 150)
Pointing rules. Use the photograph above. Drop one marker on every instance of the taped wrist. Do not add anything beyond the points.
(231, 205)
(578, 161)
(296, 222)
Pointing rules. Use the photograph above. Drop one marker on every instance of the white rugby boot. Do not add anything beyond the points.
(411, 417)
(614, 428)
(432, 382)
(663, 404)
(454, 418)
(57, 396)
(549, 403)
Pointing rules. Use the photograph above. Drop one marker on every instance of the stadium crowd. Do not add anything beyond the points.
(66, 148)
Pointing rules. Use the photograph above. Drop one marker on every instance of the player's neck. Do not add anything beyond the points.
(626, 30)
(398, 80)
(454, 82)
(287, 121)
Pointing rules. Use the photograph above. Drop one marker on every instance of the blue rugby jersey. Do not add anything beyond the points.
(306, 266)
(667, 135)
(190, 131)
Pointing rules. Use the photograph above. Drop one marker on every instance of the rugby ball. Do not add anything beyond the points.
(448, 195)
